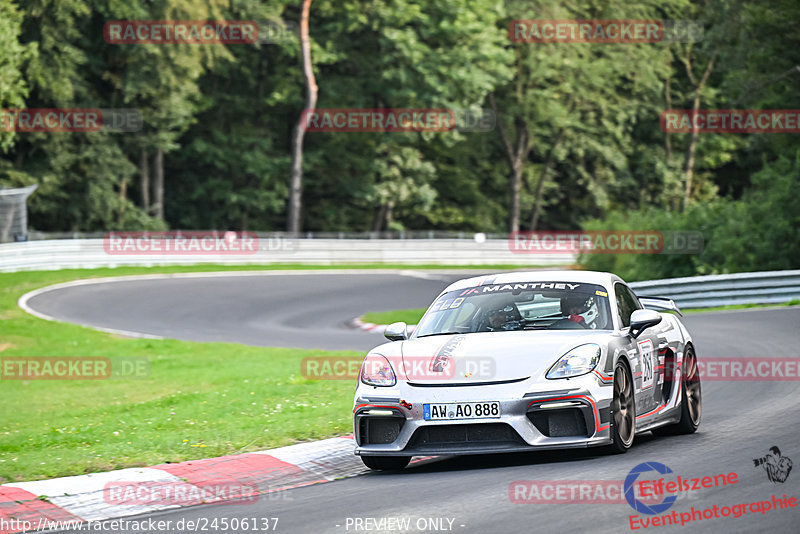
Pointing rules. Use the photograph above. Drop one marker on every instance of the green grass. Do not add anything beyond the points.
(794, 302)
(200, 400)
(411, 316)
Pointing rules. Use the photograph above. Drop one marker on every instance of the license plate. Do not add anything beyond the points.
(461, 410)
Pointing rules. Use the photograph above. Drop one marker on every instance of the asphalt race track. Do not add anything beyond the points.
(263, 309)
(741, 420)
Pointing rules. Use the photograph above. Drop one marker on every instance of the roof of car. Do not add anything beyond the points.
(585, 277)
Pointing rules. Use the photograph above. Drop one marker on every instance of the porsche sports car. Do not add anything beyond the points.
(525, 361)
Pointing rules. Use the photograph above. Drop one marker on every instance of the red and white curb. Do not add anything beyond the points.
(38, 505)
(359, 324)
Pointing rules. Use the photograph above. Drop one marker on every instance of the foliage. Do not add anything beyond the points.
(761, 231)
(222, 115)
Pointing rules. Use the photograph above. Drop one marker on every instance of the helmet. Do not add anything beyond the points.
(505, 318)
(584, 305)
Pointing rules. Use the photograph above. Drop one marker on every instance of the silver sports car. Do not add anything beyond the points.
(524, 361)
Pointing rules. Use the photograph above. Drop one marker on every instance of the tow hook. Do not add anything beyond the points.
(405, 404)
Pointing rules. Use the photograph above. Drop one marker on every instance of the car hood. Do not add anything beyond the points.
(488, 356)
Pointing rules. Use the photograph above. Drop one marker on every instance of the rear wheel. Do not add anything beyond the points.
(691, 400)
(623, 410)
(386, 463)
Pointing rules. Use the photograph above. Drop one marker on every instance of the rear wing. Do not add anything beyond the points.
(660, 304)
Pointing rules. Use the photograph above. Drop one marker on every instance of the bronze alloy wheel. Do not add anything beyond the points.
(691, 399)
(622, 405)
(623, 408)
(691, 383)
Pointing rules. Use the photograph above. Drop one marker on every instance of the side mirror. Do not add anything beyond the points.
(396, 332)
(642, 319)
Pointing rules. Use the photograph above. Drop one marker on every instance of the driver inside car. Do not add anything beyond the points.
(580, 309)
(505, 318)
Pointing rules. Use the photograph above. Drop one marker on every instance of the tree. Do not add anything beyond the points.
(296, 187)
(13, 56)
(573, 106)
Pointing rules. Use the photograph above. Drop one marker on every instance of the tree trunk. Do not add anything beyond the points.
(123, 200)
(517, 154)
(667, 140)
(514, 186)
(380, 216)
(293, 223)
(698, 90)
(688, 167)
(537, 205)
(158, 184)
(144, 181)
(389, 214)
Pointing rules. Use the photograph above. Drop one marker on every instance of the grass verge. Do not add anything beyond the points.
(411, 316)
(199, 400)
(794, 302)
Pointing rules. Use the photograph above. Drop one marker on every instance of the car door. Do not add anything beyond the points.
(643, 350)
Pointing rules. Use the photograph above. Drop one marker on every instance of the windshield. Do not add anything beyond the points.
(520, 306)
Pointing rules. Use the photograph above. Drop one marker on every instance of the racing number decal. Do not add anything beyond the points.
(447, 304)
(648, 366)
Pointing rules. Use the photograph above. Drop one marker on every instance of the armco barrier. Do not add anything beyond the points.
(89, 253)
(689, 292)
(725, 289)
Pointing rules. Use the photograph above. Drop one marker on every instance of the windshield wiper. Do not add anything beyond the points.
(442, 334)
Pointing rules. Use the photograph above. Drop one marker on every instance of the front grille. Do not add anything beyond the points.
(379, 430)
(559, 423)
(472, 433)
(465, 384)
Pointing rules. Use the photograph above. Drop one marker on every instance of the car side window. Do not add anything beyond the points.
(626, 303)
(464, 315)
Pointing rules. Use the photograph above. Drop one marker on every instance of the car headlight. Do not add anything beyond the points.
(578, 361)
(377, 371)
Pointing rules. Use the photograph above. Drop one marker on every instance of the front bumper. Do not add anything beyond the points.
(535, 415)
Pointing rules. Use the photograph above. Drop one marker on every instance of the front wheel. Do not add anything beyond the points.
(691, 400)
(386, 463)
(623, 410)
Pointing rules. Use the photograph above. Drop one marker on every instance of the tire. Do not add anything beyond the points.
(386, 463)
(623, 411)
(691, 400)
